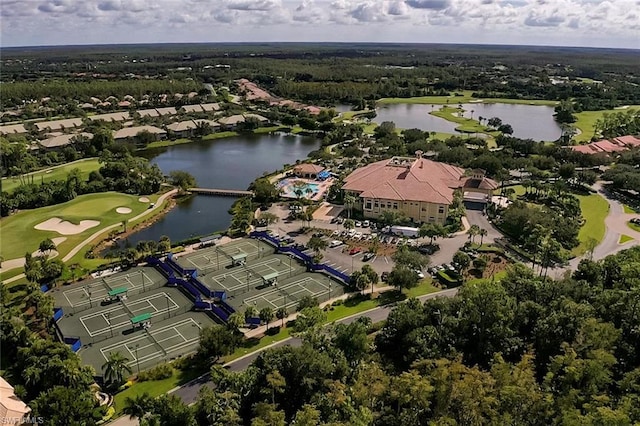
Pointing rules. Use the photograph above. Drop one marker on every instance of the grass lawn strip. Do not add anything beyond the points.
(86, 166)
(594, 211)
(465, 98)
(587, 120)
(625, 239)
(628, 209)
(633, 226)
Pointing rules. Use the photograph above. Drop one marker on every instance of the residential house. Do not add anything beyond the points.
(185, 129)
(12, 129)
(58, 141)
(55, 125)
(12, 410)
(130, 132)
(609, 146)
(231, 123)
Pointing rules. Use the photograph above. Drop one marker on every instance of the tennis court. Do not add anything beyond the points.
(242, 279)
(91, 294)
(118, 316)
(162, 342)
(216, 258)
(288, 294)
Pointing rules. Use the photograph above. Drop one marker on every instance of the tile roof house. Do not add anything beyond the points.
(420, 188)
(192, 108)
(231, 122)
(61, 140)
(131, 132)
(307, 170)
(148, 113)
(609, 146)
(114, 116)
(59, 124)
(166, 111)
(185, 128)
(12, 409)
(12, 129)
(210, 107)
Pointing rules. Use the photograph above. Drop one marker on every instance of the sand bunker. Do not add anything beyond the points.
(143, 199)
(123, 210)
(65, 228)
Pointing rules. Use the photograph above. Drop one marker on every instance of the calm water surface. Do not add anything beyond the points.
(528, 121)
(231, 163)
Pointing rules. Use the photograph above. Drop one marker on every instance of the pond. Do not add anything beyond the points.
(230, 163)
(528, 121)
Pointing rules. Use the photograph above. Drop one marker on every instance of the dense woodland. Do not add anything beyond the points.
(523, 351)
(327, 73)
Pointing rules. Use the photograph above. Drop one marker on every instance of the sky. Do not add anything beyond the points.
(588, 23)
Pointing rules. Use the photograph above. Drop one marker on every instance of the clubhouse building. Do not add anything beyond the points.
(422, 189)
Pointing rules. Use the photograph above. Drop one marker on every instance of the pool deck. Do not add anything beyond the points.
(323, 187)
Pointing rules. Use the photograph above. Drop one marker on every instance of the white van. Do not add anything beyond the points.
(335, 243)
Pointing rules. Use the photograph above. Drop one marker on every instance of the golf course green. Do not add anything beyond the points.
(19, 235)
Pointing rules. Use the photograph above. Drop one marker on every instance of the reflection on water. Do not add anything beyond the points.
(230, 163)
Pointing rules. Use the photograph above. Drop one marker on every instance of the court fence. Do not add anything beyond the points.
(308, 260)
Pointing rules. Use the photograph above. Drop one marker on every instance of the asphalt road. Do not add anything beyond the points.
(189, 392)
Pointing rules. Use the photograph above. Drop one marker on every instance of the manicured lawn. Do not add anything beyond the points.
(594, 210)
(154, 387)
(633, 226)
(19, 235)
(629, 210)
(625, 239)
(425, 287)
(85, 166)
(466, 125)
(587, 119)
(443, 100)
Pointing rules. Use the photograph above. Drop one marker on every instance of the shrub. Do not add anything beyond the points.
(159, 372)
(338, 302)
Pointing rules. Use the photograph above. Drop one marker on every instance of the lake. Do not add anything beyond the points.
(230, 163)
(528, 121)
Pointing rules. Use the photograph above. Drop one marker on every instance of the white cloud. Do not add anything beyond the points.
(585, 22)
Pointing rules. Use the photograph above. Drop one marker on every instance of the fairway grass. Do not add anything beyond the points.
(625, 239)
(85, 166)
(19, 235)
(587, 120)
(465, 98)
(594, 211)
(466, 125)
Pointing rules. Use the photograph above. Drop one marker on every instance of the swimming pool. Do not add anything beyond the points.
(289, 190)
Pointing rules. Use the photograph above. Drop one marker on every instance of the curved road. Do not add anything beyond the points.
(189, 392)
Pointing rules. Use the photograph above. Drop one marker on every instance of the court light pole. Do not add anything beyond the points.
(90, 301)
(166, 296)
(290, 271)
(248, 276)
(142, 276)
(109, 321)
(137, 360)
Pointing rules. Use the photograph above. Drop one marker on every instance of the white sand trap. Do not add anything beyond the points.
(123, 210)
(143, 199)
(65, 228)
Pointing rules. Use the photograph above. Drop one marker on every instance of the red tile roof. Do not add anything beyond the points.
(308, 168)
(621, 143)
(406, 179)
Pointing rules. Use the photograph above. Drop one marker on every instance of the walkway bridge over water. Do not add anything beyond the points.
(221, 192)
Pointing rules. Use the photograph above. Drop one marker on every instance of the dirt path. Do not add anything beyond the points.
(96, 234)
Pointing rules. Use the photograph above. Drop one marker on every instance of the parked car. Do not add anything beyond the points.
(420, 274)
(365, 224)
(335, 243)
(358, 224)
(358, 235)
(335, 233)
(384, 277)
(355, 251)
(368, 256)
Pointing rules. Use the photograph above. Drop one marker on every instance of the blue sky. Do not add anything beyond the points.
(590, 23)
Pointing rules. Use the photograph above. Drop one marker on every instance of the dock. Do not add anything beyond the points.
(221, 192)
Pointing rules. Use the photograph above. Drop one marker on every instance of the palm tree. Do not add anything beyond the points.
(349, 201)
(472, 232)
(236, 320)
(281, 314)
(266, 315)
(317, 245)
(483, 233)
(115, 368)
(138, 406)
(362, 282)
